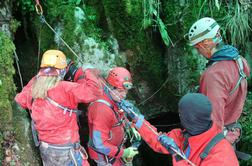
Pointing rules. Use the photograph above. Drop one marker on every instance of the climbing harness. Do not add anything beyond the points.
(239, 63)
(65, 109)
(179, 153)
(73, 148)
(211, 144)
(121, 121)
(36, 140)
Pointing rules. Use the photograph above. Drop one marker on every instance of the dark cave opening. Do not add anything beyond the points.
(146, 157)
(26, 48)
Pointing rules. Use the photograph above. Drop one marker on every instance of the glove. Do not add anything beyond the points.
(70, 71)
(129, 109)
(136, 134)
(129, 153)
(168, 143)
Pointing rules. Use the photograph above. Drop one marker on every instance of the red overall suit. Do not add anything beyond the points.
(221, 154)
(54, 126)
(106, 131)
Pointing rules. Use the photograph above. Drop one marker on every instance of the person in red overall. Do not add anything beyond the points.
(108, 125)
(224, 80)
(199, 130)
(52, 103)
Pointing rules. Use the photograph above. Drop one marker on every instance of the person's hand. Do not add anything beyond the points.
(168, 143)
(129, 153)
(136, 134)
(233, 135)
(129, 108)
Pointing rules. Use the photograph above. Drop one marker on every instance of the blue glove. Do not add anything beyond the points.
(168, 143)
(129, 109)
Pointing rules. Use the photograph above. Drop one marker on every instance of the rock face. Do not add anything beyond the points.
(15, 141)
(145, 36)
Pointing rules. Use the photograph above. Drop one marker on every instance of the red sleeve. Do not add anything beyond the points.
(147, 131)
(101, 122)
(79, 75)
(24, 98)
(89, 89)
(214, 85)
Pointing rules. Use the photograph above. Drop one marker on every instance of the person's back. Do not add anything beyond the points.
(224, 81)
(52, 104)
(217, 82)
(108, 125)
(197, 134)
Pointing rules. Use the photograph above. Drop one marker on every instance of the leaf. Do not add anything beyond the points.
(217, 4)
(78, 2)
(163, 32)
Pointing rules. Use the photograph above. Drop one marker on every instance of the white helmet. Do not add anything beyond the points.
(205, 28)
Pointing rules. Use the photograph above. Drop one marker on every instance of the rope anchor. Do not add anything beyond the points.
(38, 8)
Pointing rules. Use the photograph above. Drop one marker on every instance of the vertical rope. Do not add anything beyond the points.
(39, 45)
(20, 76)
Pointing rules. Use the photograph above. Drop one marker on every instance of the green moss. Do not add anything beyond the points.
(125, 22)
(14, 24)
(7, 87)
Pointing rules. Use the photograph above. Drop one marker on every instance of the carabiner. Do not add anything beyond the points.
(39, 9)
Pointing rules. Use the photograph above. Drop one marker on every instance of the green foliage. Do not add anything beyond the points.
(237, 24)
(246, 121)
(75, 2)
(14, 24)
(27, 6)
(7, 87)
(152, 17)
(142, 53)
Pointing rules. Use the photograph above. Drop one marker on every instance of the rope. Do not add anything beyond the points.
(143, 102)
(181, 154)
(39, 45)
(43, 20)
(19, 73)
(168, 125)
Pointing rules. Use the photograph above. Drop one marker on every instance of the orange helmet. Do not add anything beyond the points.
(120, 78)
(54, 58)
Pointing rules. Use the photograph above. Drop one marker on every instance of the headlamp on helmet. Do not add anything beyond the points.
(120, 78)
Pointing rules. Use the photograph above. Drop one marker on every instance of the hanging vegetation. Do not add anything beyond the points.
(146, 36)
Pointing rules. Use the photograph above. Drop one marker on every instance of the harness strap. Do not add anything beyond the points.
(35, 134)
(65, 109)
(211, 144)
(33, 128)
(111, 160)
(239, 63)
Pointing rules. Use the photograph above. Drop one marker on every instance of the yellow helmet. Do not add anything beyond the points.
(54, 58)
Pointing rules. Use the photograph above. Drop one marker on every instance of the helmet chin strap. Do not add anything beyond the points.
(211, 47)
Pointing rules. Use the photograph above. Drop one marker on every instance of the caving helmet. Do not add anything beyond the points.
(205, 28)
(120, 78)
(54, 58)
